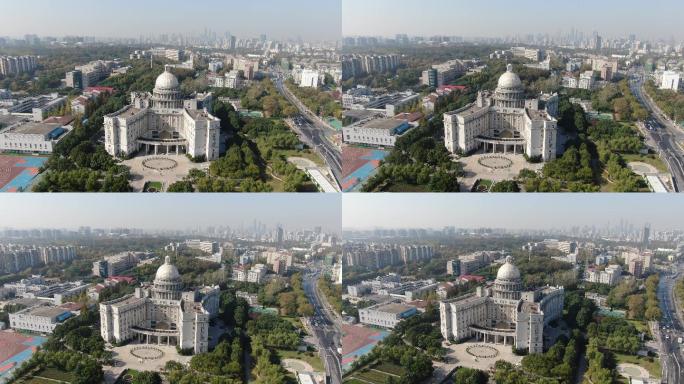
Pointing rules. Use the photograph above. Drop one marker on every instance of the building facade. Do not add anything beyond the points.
(162, 313)
(503, 313)
(503, 121)
(162, 122)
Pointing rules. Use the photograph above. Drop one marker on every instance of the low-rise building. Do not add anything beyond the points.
(386, 315)
(378, 132)
(39, 319)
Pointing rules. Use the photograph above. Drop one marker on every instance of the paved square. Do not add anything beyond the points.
(479, 355)
(125, 358)
(493, 166)
(166, 169)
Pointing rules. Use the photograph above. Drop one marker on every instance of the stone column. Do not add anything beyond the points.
(156, 149)
(177, 146)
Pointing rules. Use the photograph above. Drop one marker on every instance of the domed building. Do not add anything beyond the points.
(162, 313)
(502, 312)
(164, 123)
(505, 122)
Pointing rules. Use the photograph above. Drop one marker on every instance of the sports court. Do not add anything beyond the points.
(358, 341)
(16, 348)
(358, 165)
(17, 172)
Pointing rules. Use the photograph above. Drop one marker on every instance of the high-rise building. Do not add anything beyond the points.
(645, 236)
(671, 80)
(74, 79)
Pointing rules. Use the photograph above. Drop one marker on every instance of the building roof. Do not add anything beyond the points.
(167, 271)
(33, 128)
(62, 120)
(166, 81)
(395, 308)
(388, 124)
(46, 311)
(508, 271)
(509, 80)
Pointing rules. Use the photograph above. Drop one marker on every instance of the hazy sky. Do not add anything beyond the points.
(313, 20)
(513, 211)
(169, 211)
(493, 18)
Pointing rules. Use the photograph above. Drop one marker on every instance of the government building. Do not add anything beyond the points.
(503, 313)
(504, 122)
(162, 314)
(164, 123)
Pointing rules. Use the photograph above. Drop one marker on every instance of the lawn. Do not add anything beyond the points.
(653, 160)
(653, 367)
(36, 380)
(375, 373)
(310, 357)
(390, 368)
(56, 374)
(48, 376)
(153, 186)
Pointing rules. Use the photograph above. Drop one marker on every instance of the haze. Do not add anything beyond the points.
(312, 20)
(511, 211)
(497, 18)
(170, 211)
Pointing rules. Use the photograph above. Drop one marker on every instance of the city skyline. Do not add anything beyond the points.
(498, 18)
(170, 211)
(243, 19)
(508, 211)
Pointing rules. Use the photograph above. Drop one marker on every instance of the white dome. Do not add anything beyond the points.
(166, 81)
(508, 271)
(167, 271)
(509, 80)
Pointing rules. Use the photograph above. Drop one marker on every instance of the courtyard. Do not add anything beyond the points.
(476, 354)
(492, 166)
(141, 357)
(159, 171)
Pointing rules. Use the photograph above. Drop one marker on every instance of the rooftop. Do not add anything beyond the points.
(33, 128)
(388, 124)
(46, 311)
(395, 308)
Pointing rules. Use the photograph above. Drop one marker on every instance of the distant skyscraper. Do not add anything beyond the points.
(279, 235)
(645, 236)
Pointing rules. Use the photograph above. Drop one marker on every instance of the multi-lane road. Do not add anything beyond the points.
(323, 323)
(314, 131)
(671, 328)
(664, 133)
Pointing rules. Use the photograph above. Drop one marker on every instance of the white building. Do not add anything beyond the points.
(310, 78)
(586, 80)
(255, 274)
(377, 132)
(503, 121)
(162, 122)
(386, 315)
(503, 313)
(610, 276)
(32, 137)
(671, 80)
(39, 319)
(162, 314)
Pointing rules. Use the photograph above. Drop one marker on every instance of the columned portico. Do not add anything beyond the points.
(505, 146)
(161, 146)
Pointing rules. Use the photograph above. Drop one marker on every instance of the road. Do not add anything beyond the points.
(671, 328)
(662, 130)
(324, 326)
(313, 130)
